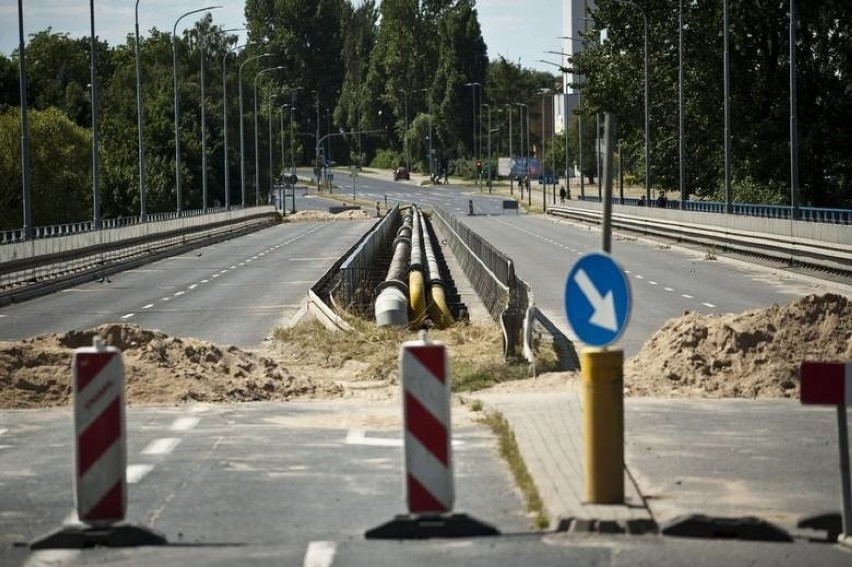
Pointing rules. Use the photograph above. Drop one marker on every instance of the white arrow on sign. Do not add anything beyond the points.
(603, 306)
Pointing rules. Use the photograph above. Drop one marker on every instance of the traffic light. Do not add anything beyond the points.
(478, 166)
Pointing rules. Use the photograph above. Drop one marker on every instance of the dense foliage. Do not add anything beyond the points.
(385, 82)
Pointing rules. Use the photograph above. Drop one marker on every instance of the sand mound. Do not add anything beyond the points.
(358, 214)
(36, 372)
(748, 355)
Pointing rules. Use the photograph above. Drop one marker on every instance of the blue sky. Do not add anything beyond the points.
(518, 30)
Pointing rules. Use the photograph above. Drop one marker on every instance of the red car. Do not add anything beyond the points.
(401, 173)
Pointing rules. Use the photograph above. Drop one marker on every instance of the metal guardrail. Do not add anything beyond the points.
(508, 299)
(835, 256)
(806, 214)
(34, 267)
(358, 264)
(54, 230)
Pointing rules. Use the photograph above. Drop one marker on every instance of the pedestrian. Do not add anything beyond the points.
(642, 201)
(562, 195)
(378, 209)
(661, 200)
(446, 176)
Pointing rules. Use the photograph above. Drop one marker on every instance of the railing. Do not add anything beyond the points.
(806, 214)
(54, 230)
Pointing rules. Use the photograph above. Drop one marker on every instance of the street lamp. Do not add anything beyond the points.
(143, 214)
(526, 155)
(405, 130)
(96, 192)
(543, 93)
(242, 127)
(473, 86)
(511, 158)
(26, 230)
(489, 146)
(225, 121)
(647, 104)
(177, 102)
(201, 44)
(429, 108)
(257, 135)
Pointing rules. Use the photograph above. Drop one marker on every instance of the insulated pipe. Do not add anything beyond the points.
(391, 305)
(416, 285)
(438, 309)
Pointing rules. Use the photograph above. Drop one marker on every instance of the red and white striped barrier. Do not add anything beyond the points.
(100, 488)
(429, 492)
(428, 453)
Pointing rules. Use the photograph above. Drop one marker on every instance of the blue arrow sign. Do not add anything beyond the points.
(597, 299)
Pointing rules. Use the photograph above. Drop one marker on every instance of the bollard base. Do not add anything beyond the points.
(79, 537)
(426, 527)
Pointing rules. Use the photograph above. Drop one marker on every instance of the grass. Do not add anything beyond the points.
(510, 452)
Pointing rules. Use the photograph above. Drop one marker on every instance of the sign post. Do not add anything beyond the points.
(830, 383)
(597, 303)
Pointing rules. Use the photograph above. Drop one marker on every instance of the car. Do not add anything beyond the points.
(401, 173)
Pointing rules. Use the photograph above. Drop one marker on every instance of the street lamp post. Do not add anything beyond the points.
(794, 137)
(681, 148)
(96, 191)
(543, 93)
(405, 130)
(143, 213)
(647, 104)
(489, 146)
(473, 86)
(225, 121)
(178, 195)
(317, 138)
(257, 137)
(727, 87)
(242, 128)
(521, 107)
(529, 187)
(26, 229)
(511, 160)
(270, 96)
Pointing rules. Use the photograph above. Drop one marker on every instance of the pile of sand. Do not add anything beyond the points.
(354, 214)
(36, 372)
(754, 354)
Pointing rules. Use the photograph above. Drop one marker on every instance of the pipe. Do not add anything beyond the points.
(416, 286)
(391, 305)
(438, 309)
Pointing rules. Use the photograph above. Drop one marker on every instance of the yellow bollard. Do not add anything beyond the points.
(603, 424)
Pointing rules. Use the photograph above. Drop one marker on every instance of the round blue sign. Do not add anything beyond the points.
(597, 299)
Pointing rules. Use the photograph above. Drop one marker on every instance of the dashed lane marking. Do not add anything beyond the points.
(135, 473)
(128, 316)
(162, 446)
(184, 423)
(149, 306)
(4, 430)
(320, 554)
(193, 286)
(205, 281)
(686, 295)
(668, 289)
(710, 305)
(179, 293)
(52, 557)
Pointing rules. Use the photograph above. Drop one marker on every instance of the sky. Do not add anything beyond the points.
(520, 31)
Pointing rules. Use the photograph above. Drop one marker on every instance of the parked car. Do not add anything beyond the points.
(401, 173)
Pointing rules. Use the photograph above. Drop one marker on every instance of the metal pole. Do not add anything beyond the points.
(684, 192)
(529, 189)
(598, 152)
(26, 230)
(511, 160)
(580, 142)
(143, 213)
(794, 119)
(225, 121)
(541, 160)
(271, 144)
(242, 127)
(256, 149)
(96, 191)
(647, 118)
(203, 132)
(846, 490)
(606, 227)
(489, 148)
(729, 207)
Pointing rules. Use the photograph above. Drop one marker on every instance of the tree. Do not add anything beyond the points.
(60, 162)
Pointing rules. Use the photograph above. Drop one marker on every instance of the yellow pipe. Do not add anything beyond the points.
(438, 310)
(603, 424)
(416, 296)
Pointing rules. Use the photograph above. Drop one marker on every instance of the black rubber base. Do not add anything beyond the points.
(748, 528)
(425, 527)
(79, 537)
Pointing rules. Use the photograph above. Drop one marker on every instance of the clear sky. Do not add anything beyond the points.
(519, 30)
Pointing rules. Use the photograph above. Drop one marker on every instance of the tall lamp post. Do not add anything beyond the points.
(543, 93)
(488, 154)
(257, 137)
(225, 121)
(201, 45)
(647, 104)
(26, 230)
(143, 212)
(178, 195)
(473, 87)
(243, 129)
(521, 107)
(729, 207)
(96, 191)
(511, 179)
(405, 130)
(794, 130)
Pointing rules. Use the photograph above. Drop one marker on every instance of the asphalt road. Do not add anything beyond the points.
(234, 292)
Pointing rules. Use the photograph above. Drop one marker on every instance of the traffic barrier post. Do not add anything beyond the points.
(100, 456)
(429, 490)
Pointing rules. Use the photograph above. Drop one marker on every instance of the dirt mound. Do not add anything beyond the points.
(355, 214)
(748, 355)
(36, 372)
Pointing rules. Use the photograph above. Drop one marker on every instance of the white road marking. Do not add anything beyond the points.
(638, 277)
(310, 259)
(179, 293)
(149, 306)
(162, 446)
(686, 295)
(135, 473)
(320, 554)
(166, 298)
(652, 283)
(193, 286)
(232, 268)
(710, 305)
(668, 289)
(184, 423)
(4, 430)
(52, 557)
(128, 316)
(215, 275)
(3, 316)
(359, 437)
(205, 281)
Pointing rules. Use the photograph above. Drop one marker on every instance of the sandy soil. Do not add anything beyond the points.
(755, 354)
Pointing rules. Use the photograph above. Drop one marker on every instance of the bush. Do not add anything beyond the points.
(386, 159)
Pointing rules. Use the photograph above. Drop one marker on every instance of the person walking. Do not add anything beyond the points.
(562, 195)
